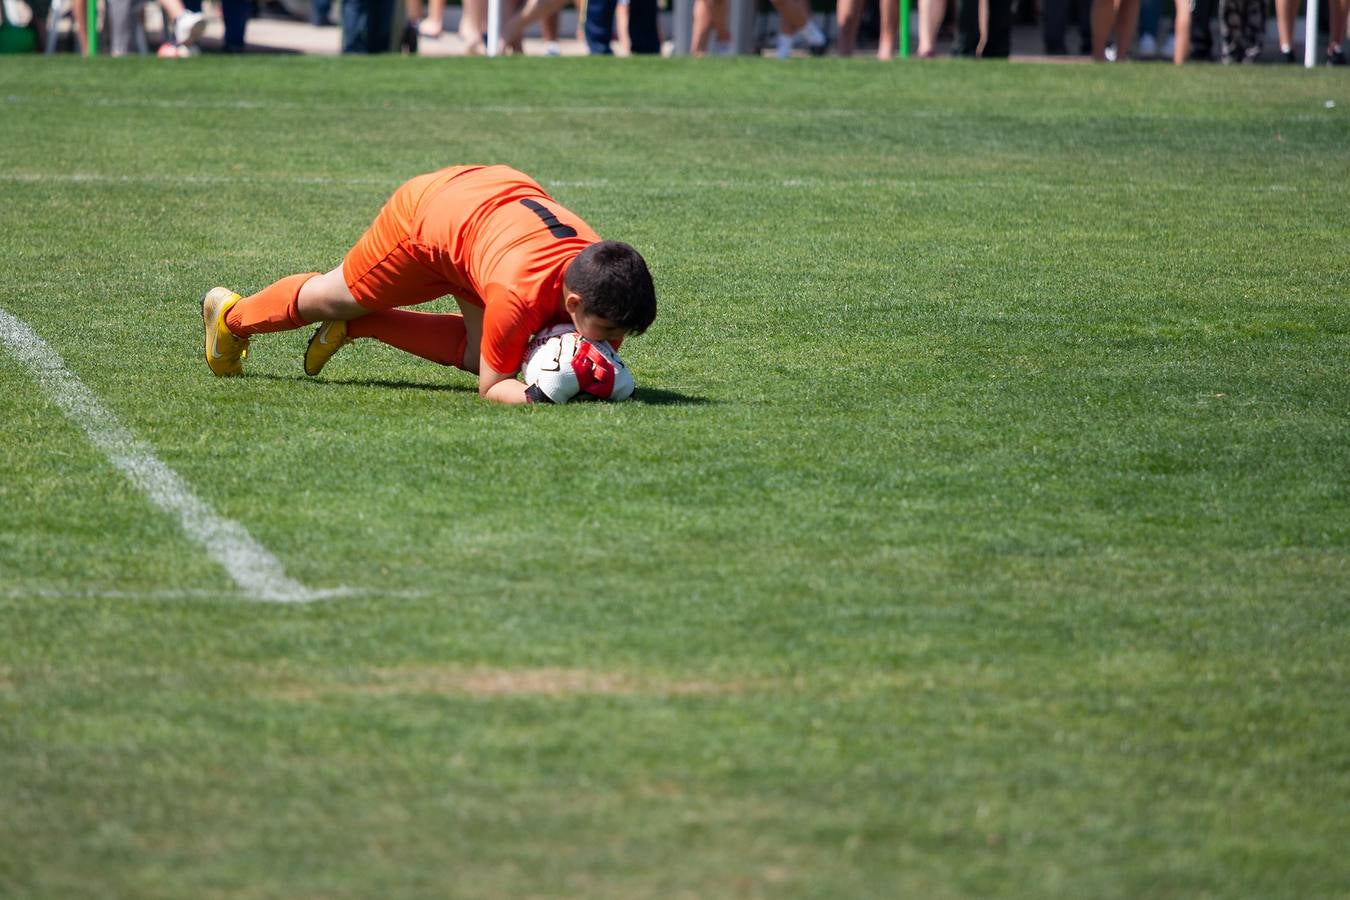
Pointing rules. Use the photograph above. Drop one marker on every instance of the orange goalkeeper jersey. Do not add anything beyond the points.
(488, 235)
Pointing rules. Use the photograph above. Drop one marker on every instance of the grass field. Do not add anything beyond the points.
(982, 528)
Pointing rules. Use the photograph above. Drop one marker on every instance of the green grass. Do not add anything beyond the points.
(982, 529)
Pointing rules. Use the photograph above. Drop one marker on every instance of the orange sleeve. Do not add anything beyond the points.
(506, 329)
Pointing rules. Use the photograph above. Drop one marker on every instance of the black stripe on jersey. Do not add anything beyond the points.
(555, 228)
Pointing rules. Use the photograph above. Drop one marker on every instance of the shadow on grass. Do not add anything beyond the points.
(645, 395)
(658, 397)
(365, 382)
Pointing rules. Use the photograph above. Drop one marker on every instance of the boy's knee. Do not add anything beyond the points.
(326, 298)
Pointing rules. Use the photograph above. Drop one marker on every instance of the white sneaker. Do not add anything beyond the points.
(1169, 46)
(1147, 46)
(552, 49)
(1110, 52)
(188, 28)
(812, 35)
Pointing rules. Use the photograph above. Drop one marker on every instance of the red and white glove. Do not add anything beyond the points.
(595, 373)
(601, 375)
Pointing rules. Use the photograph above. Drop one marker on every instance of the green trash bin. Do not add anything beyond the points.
(14, 39)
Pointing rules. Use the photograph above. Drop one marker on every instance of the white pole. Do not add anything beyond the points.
(494, 24)
(1310, 35)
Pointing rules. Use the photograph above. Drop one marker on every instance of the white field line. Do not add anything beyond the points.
(50, 593)
(912, 186)
(257, 572)
(161, 180)
(190, 180)
(735, 113)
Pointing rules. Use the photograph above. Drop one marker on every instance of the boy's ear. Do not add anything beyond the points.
(571, 302)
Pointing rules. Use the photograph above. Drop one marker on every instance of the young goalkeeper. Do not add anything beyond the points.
(514, 260)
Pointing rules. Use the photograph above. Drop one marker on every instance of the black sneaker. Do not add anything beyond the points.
(1336, 56)
(409, 42)
(1288, 56)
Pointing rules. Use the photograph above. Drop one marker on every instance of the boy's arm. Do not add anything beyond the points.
(493, 385)
(505, 334)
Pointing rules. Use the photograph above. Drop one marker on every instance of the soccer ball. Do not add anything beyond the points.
(564, 365)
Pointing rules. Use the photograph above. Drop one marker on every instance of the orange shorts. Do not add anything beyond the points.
(388, 267)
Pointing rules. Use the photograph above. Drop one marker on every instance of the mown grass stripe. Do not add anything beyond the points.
(248, 563)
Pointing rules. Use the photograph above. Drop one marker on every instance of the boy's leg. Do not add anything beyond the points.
(444, 338)
(438, 337)
(383, 270)
(326, 298)
(294, 302)
(274, 308)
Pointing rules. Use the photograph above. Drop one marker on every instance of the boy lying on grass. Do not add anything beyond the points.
(514, 260)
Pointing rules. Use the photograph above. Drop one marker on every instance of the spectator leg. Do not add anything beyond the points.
(599, 27)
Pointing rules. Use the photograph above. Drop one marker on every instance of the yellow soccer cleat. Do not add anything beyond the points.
(329, 338)
(224, 352)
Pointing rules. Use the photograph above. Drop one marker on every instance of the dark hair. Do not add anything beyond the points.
(613, 282)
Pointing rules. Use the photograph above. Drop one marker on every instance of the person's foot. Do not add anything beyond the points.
(809, 36)
(224, 351)
(329, 338)
(1336, 56)
(188, 28)
(408, 43)
(814, 38)
(1287, 55)
(1147, 48)
(474, 44)
(430, 29)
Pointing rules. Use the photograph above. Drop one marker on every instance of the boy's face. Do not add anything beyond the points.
(592, 328)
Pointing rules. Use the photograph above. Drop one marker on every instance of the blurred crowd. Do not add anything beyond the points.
(1231, 31)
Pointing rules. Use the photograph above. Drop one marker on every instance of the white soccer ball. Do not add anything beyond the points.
(558, 360)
